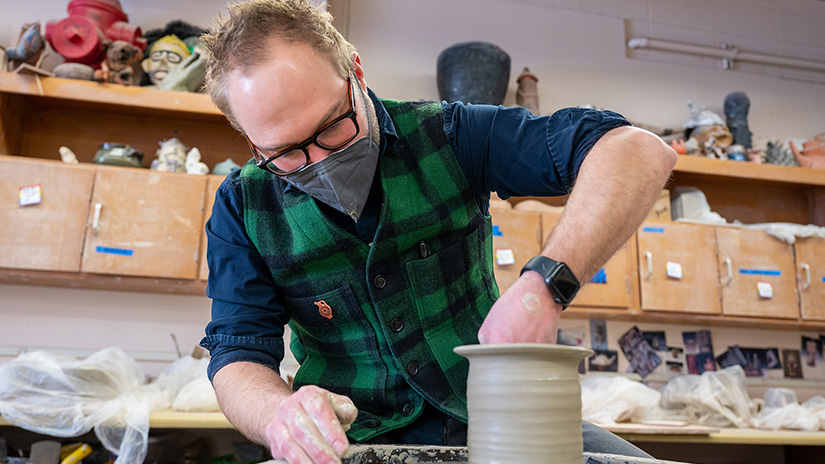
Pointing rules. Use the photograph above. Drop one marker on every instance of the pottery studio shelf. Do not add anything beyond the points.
(633, 432)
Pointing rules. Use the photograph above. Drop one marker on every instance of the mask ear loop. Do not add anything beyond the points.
(366, 107)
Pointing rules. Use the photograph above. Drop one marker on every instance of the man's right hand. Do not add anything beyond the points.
(309, 427)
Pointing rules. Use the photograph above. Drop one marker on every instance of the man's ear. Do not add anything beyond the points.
(358, 69)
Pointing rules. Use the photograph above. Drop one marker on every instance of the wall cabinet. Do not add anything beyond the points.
(212, 184)
(677, 268)
(810, 268)
(516, 239)
(613, 284)
(47, 235)
(144, 223)
(757, 272)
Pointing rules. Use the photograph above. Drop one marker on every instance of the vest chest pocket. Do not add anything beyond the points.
(331, 324)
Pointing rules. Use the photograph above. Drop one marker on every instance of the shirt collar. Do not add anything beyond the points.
(386, 128)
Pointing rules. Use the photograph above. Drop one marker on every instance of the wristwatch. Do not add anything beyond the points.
(561, 282)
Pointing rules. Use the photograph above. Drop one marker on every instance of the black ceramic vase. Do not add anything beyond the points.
(473, 72)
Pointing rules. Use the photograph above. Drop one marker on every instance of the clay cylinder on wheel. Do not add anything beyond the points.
(524, 403)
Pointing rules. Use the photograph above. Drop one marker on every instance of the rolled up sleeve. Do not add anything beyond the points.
(515, 153)
(247, 321)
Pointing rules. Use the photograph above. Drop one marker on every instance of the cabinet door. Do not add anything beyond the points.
(47, 235)
(211, 188)
(757, 274)
(516, 236)
(810, 268)
(144, 223)
(610, 287)
(677, 268)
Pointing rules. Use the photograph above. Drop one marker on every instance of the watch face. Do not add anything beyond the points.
(565, 282)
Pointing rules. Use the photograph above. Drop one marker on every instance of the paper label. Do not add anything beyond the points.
(674, 270)
(765, 289)
(505, 256)
(29, 195)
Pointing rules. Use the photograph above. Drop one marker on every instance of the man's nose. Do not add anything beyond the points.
(317, 153)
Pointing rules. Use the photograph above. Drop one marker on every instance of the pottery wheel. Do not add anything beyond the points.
(392, 454)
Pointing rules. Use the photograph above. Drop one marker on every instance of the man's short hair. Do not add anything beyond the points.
(240, 41)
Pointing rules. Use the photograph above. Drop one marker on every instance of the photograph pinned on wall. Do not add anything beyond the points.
(604, 361)
(772, 359)
(757, 362)
(656, 340)
(642, 358)
(700, 363)
(674, 368)
(572, 337)
(689, 339)
(792, 365)
(598, 334)
(811, 351)
(675, 354)
(732, 357)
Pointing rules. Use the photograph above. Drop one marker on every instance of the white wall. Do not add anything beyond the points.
(575, 47)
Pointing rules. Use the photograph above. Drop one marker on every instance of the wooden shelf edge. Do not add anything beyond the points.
(734, 436)
(694, 319)
(113, 94)
(177, 420)
(766, 173)
(87, 281)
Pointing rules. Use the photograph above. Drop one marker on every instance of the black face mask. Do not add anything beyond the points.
(342, 180)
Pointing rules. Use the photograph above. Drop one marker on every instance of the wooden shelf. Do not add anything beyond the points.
(88, 92)
(727, 436)
(89, 281)
(178, 420)
(741, 171)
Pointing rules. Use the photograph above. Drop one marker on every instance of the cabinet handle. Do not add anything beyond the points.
(807, 270)
(96, 218)
(729, 267)
(649, 258)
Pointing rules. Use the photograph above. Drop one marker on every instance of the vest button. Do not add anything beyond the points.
(423, 249)
(397, 325)
(371, 423)
(408, 409)
(412, 368)
(380, 281)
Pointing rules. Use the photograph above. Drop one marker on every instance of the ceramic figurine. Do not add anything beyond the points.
(812, 154)
(225, 167)
(780, 153)
(119, 154)
(737, 105)
(67, 155)
(29, 47)
(171, 156)
(164, 55)
(527, 94)
(194, 164)
(708, 134)
(117, 67)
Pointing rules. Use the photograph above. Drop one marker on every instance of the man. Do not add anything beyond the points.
(363, 222)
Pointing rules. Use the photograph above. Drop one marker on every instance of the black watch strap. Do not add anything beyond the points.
(558, 277)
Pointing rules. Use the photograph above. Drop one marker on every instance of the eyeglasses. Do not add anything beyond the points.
(171, 56)
(332, 136)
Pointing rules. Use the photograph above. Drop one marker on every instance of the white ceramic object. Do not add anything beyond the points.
(524, 403)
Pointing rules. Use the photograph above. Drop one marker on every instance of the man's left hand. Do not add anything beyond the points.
(525, 313)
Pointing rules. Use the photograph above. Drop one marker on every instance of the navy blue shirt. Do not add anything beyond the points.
(504, 150)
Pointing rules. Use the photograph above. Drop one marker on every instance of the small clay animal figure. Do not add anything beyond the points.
(117, 67)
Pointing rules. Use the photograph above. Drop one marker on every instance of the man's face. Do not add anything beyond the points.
(287, 98)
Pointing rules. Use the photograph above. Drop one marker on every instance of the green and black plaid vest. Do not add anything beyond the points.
(378, 322)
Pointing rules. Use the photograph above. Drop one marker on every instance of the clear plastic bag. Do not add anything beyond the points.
(817, 406)
(715, 398)
(65, 397)
(185, 384)
(607, 400)
(782, 411)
